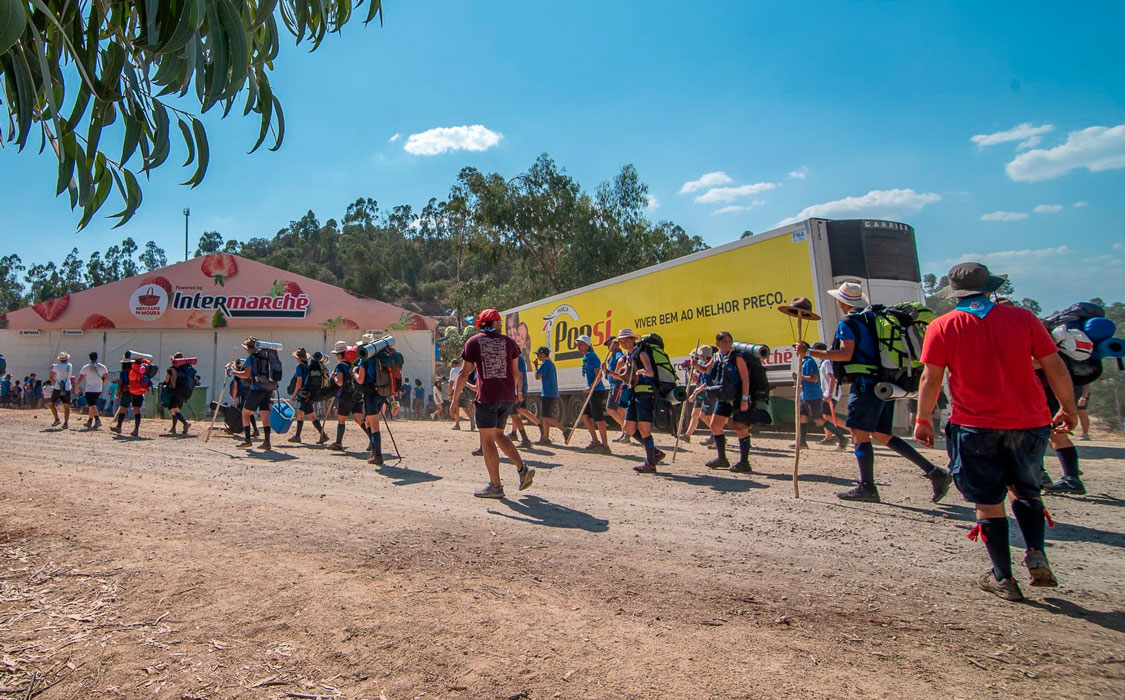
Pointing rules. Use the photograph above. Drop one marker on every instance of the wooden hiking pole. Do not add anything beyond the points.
(589, 395)
(683, 408)
(800, 309)
(219, 399)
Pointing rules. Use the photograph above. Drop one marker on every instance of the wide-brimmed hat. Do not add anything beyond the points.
(584, 339)
(627, 333)
(704, 351)
(300, 354)
(800, 308)
(971, 278)
(367, 338)
(64, 356)
(176, 356)
(850, 293)
(339, 347)
(249, 343)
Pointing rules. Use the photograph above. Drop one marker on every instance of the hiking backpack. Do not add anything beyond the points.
(725, 383)
(186, 381)
(898, 332)
(316, 386)
(665, 384)
(382, 374)
(266, 371)
(1073, 318)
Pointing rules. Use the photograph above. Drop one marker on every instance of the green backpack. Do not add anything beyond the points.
(665, 383)
(899, 331)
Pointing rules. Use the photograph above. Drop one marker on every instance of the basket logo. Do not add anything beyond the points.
(148, 302)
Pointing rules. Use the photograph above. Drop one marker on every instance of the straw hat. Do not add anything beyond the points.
(627, 333)
(850, 293)
(64, 356)
(339, 347)
(300, 354)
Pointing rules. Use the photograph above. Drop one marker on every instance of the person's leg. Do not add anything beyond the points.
(1084, 423)
(375, 440)
(488, 439)
(588, 423)
(1067, 453)
(602, 431)
(54, 411)
(719, 418)
(743, 464)
(264, 415)
(247, 418)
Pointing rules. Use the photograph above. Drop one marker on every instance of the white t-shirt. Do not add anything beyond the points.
(92, 375)
(453, 372)
(825, 379)
(437, 395)
(63, 373)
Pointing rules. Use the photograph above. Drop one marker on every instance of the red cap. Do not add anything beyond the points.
(488, 316)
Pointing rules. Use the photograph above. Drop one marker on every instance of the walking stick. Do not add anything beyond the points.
(683, 407)
(801, 309)
(589, 394)
(219, 402)
(387, 423)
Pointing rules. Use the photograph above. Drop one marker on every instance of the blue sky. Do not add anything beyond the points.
(839, 109)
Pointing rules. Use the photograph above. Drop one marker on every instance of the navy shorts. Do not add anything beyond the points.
(60, 396)
(595, 407)
(640, 408)
(493, 415)
(547, 407)
(305, 405)
(134, 400)
(257, 400)
(349, 405)
(92, 398)
(724, 409)
(175, 401)
(373, 403)
(813, 408)
(868, 412)
(985, 462)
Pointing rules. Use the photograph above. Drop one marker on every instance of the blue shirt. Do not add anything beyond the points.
(5, 387)
(866, 349)
(252, 362)
(591, 363)
(522, 364)
(419, 392)
(612, 364)
(811, 391)
(302, 372)
(549, 378)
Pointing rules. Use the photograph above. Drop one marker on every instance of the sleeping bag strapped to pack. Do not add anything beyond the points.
(664, 384)
(899, 331)
(1079, 352)
(725, 383)
(186, 381)
(265, 370)
(382, 373)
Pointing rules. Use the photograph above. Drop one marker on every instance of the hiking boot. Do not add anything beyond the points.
(826, 440)
(490, 491)
(842, 443)
(245, 444)
(266, 446)
(1084, 438)
(604, 449)
(526, 477)
(1007, 589)
(1040, 570)
(89, 422)
(1067, 484)
(479, 452)
(525, 444)
(659, 456)
(512, 435)
(623, 438)
(867, 494)
(376, 459)
(708, 441)
(594, 446)
(718, 463)
(544, 441)
(645, 468)
(457, 426)
(97, 425)
(335, 447)
(940, 479)
(742, 467)
(115, 429)
(135, 432)
(186, 426)
(171, 431)
(295, 439)
(322, 439)
(66, 425)
(57, 421)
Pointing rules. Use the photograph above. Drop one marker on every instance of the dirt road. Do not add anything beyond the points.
(169, 568)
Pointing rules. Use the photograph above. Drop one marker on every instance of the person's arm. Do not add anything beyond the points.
(646, 366)
(841, 354)
(814, 377)
(928, 390)
(1063, 387)
(744, 375)
(297, 387)
(518, 376)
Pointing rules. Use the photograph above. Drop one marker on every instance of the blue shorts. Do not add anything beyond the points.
(614, 400)
(985, 462)
(868, 412)
(723, 409)
(490, 416)
(640, 408)
(373, 403)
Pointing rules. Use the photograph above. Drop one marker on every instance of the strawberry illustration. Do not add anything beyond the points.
(348, 323)
(159, 281)
(417, 323)
(219, 266)
(96, 322)
(198, 319)
(286, 287)
(50, 310)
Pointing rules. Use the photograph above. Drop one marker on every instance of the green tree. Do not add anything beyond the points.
(209, 242)
(932, 288)
(153, 257)
(123, 61)
(48, 281)
(1107, 395)
(11, 289)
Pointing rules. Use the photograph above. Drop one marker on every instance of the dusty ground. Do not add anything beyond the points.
(170, 568)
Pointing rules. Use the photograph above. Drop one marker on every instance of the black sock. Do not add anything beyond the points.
(1068, 458)
(246, 431)
(744, 448)
(137, 422)
(377, 439)
(316, 425)
(266, 432)
(523, 435)
(300, 424)
(721, 446)
(650, 449)
(1032, 522)
(994, 532)
(832, 429)
(802, 434)
(903, 448)
(120, 419)
(637, 434)
(340, 433)
(866, 458)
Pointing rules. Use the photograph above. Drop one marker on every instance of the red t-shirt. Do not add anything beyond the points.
(991, 376)
(492, 355)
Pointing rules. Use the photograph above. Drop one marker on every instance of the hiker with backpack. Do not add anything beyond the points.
(614, 407)
(61, 377)
(306, 388)
(136, 379)
(856, 351)
(349, 402)
(380, 379)
(729, 384)
(639, 374)
(701, 360)
(1001, 422)
(594, 412)
(91, 379)
(181, 380)
(261, 371)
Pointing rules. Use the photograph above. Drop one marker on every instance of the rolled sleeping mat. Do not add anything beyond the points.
(888, 391)
(1099, 329)
(1110, 347)
(134, 355)
(753, 349)
(371, 349)
(183, 361)
(267, 345)
(678, 395)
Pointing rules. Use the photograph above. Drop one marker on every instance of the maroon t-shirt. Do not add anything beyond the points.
(492, 355)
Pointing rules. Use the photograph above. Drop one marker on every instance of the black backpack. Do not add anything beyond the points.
(316, 386)
(726, 384)
(186, 381)
(266, 372)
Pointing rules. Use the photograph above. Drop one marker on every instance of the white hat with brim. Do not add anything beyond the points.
(584, 339)
(341, 346)
(65, 357)
(627, 333)
(850, 293)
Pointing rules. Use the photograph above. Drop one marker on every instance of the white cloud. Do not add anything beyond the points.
(1004, 216)
(1081, 204)
(1021, 132)
(1048, 208)
(1029, 143)
(1096, 148)
(881, 203)
(799, 174)
(730, 209)
(727, 194)
(1119, 247)
(653, 202)
(394, 138)
(451, 138)
(711, 179)
(1008, 257)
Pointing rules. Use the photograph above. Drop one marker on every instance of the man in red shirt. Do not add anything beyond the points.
(496, 359)
(1000, 423)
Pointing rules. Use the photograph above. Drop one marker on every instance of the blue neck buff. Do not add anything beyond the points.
(978, 305)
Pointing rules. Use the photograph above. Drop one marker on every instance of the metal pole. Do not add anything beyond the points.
(187, 213)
